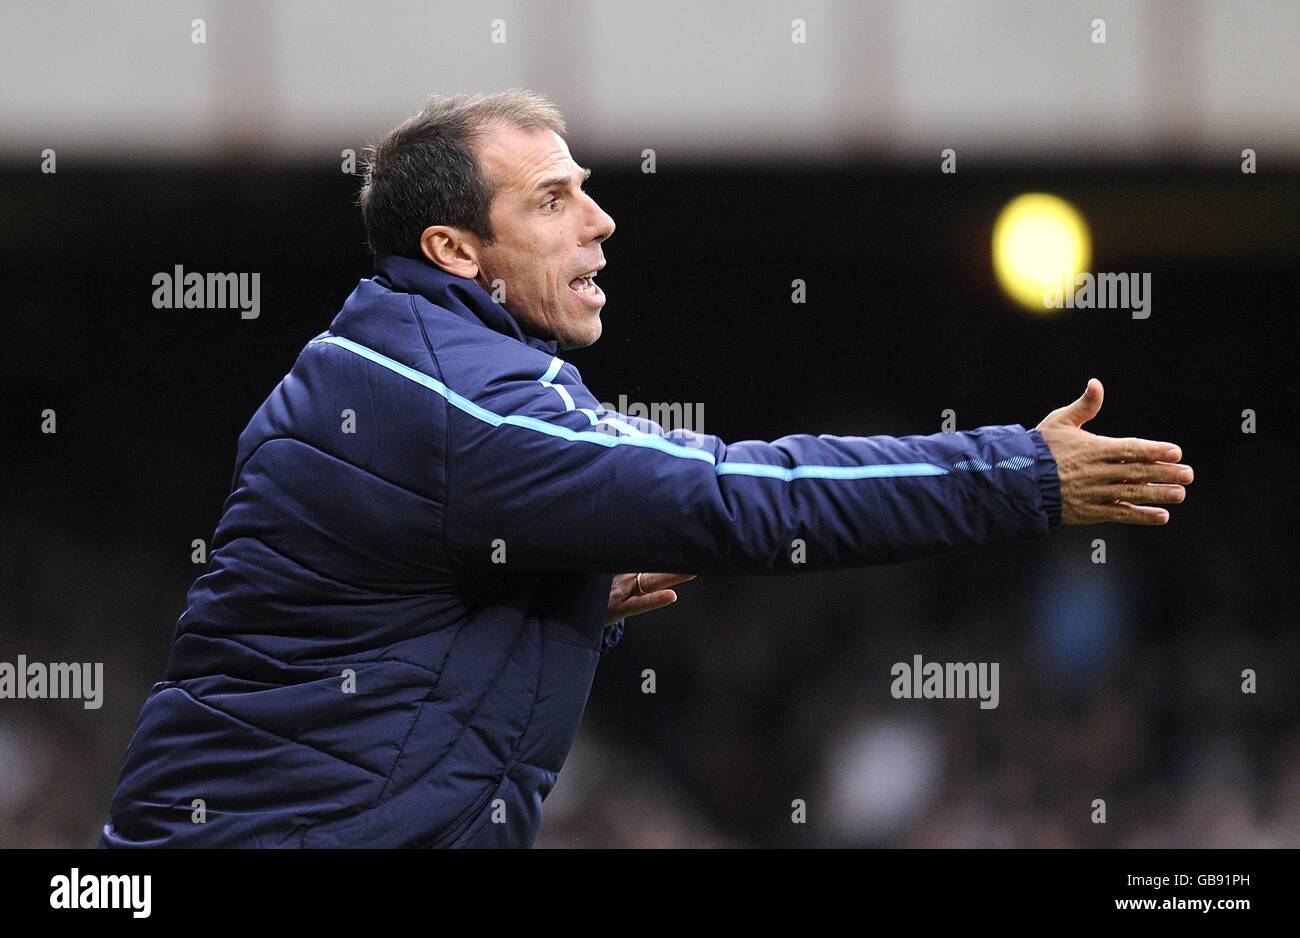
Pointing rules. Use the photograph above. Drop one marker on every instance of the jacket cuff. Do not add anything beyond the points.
(611, 636)
(1049, 483)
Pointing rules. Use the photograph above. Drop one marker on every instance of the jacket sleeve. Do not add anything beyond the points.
(582, 489)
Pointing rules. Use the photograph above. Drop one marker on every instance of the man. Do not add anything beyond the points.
(411, 582)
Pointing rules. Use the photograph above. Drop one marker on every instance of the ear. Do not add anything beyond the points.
(453, 249)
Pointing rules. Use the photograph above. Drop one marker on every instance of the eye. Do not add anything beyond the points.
(551, 204)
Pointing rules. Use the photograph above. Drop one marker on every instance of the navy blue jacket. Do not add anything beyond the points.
(404, 608)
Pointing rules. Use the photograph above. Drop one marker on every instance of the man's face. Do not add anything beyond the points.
(548, 235)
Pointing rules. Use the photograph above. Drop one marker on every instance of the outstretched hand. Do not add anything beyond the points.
(1106, 478)
(625, 600)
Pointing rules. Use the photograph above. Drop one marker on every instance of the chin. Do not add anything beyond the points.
(582, 338)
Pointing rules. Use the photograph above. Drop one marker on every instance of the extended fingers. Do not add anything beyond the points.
(1143, 483)
(625, 600)
(1132, 449)
(1109, 479)
(1169, 473)
(1128, 513)
(650, 582)
(1127, 503)
(647, 603)
(1146, 493)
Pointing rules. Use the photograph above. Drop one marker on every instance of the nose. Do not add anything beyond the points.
(602, 226)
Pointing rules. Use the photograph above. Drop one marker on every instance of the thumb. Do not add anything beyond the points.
(1083, 409)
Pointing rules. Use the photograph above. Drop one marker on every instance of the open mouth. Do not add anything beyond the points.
(585, 287)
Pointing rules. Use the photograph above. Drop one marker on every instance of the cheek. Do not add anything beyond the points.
(523, 278)
(558, 284)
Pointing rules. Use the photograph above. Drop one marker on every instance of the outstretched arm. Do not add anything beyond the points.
(1102, 479)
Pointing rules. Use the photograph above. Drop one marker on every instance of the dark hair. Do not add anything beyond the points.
(426, 172)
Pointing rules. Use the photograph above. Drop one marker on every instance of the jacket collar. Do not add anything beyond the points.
(458, 295)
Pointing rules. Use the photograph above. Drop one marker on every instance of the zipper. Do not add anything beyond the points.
(464, 822)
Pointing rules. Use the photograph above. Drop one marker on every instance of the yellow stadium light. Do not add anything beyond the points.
(1039, 242)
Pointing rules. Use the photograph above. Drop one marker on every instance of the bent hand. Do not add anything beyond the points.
(625, 599)
(1108, 479)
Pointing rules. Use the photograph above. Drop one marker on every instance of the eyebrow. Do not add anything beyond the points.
(559, 182)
